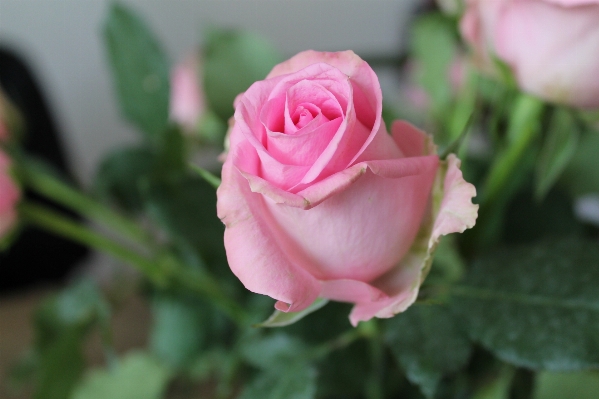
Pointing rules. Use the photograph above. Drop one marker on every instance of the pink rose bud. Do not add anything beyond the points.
(9, 197)
(319, 200)
(551, 46)
(187, 102)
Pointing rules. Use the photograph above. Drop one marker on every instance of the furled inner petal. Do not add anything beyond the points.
(305, 148)
(304, 114)
(305, 101)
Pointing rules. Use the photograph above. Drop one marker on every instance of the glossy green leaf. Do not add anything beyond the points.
(272, 351)
(140, 70)
(578, 385)
(497, 387)
(137, 376)
(557, 150)
(233, 60)
(536, 306)
(282, 319)
(294, 380)
(428, 343)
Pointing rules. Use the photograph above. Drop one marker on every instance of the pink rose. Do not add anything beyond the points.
(9, 197)
(187, 102)
(319, 200)
(551, 46)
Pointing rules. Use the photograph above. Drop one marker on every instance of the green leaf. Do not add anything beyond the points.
(428, 343)
(499, 386)
(61, 365)
(185, 209)
(272, 351)
(120, 175)
(536, 307)
(138, 376)
(233, 60)
(282, 319)
(578, 385)
(76, 308)
(582, 173)
(62, 324)
(557, 150)
(291, 381)
(140, 70)
(171, 151)
(178, 332)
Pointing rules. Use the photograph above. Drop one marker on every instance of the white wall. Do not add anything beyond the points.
(61, 40)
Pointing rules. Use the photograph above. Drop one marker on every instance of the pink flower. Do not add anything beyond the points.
(187, 102)
(9, 197)
(319, 200)
(551, 46)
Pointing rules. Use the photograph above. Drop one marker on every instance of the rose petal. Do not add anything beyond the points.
(363, 78)
(304, 147)
(312, 93)
(352, 291)
(365, 229)
(257, 253)
(455, 213)
(367, 95)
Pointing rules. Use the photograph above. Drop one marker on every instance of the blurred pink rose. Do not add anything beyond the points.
(551, 46)
(9, 196)
(319, 200)
(187, 102)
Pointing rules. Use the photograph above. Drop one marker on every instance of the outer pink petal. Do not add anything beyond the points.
(364, 230)
(257, 252)
(457, 212)
(351, 291)
(318, 192)
(453, 214)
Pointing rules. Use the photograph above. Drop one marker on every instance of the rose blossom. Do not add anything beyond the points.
(319, 200)
(187, 102)
(9, 196)
(551, 46)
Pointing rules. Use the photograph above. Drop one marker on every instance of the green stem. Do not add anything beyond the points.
(342, 341)
(522, 131)
(374, 387)
(56, 223)
(206, 175)
(206, 285)
(161, 273)
(54, 188)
